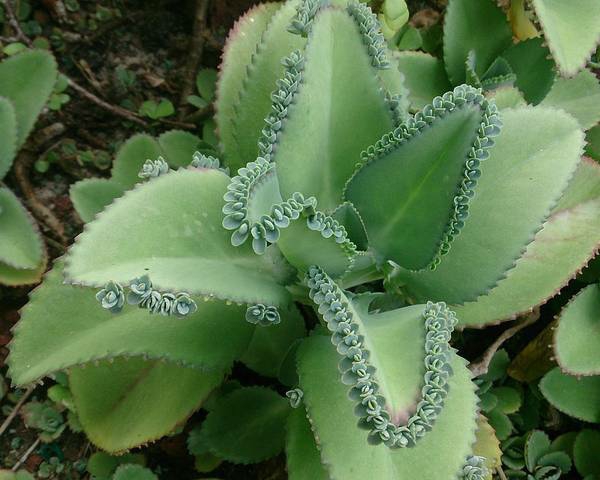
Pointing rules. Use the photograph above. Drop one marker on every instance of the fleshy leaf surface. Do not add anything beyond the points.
(586, 452)
(78, 330)
(424, 76)
(301, 452)
(8, 127)
(131, 156)
(174, 234)
(91, 195)
(131, 402)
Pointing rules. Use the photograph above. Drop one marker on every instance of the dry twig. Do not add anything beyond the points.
(15, 410)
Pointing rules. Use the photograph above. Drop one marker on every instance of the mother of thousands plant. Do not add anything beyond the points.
(469, 215)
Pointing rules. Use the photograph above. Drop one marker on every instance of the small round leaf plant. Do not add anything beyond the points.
(394, 227)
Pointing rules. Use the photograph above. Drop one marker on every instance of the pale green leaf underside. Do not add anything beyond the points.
(269, 345)
(473, 25)
(421, 175)
(174, 234)
(91, 195)
(340, 109)
(572, 30)
(12, 276)
(577, 338)
(579, 96)
(27, 80)
(131, 156)
(8, 127)
(131, 402)
(301, 452)
(578, 397)
(20, 242)
(241, 44)
(263, 70)
(507, 97)
(424, 76)
(247, 425)
(569, 238)
(343, 446)
(78, 330)
(528, 170)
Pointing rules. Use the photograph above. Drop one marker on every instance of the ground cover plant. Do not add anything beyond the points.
(312, 284)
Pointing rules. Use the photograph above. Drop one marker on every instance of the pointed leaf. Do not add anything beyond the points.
(8, 127)
(572, 30)
(27, 80)
(174, 234)
(578, 397)
(334, 130)
(343, 446)
(479, 26)
(242, 42)
(91, 195)
(78, 330)
(301, 452)
(131, 402)
(535, 165)
(577, 337)
(424, 76)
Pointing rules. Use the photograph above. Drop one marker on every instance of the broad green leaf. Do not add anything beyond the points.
(507, 97)
(8, 127)
(578, 397)
(131, 156)
(174, 234)
(91, 195)
(133, 472)
(262, 71)
(301, 452)
(242, 42)
(500, 423)
(206, 80)
(579, 96)
(21, 245)
(535, 166)
(269, 345)
(593, 142)
(247, 425)
(12, 276)
(535, 71)
(344, 446)
(536, 446)
(509, 399)
(27, 80)
(473, 25)
(335, 130)
(572, 30)
(349, 217)
(132, 401)
(178, 147)
(551, 260)
(78, 330)
(424, 76)
(424, 173)
(586, 452)
(578, 334)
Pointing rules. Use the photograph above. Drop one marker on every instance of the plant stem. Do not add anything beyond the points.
(25, 456)
(15, 410)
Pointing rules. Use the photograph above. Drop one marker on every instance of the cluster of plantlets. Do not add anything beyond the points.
(362, 185)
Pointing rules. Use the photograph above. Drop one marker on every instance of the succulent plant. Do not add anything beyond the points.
(26, 82)
(454, 211)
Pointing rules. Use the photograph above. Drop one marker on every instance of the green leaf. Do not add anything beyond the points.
(564, 443)
(133, 472)
(500, 423)
(206, 83)
(91, 195)
(424, 76)
(269, 345)
(196, 101)
(178, 147)
(27, 80)
(421, 168)
(535, 71)
(473, 25)
(343, 445)
(536, 446)
(509, 399)
(21, 245)
(198, 256)
(578, 334)
(247, 425)
(156, 110)
(8, 127)
(507, 97)
(487, 445)
(593, 142)
(349, 217)
(410, 39)
(14, 48)
(302, 454)
(554, 257)
(241, 45)
(572, 30)
(578, 96)
(317, 162)
(133, 401)
(574, 396)
(77, 330)
(102, 465)
(586, 452)
(559, 460)
(253, 101)
(131, 156)
(497, 367)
